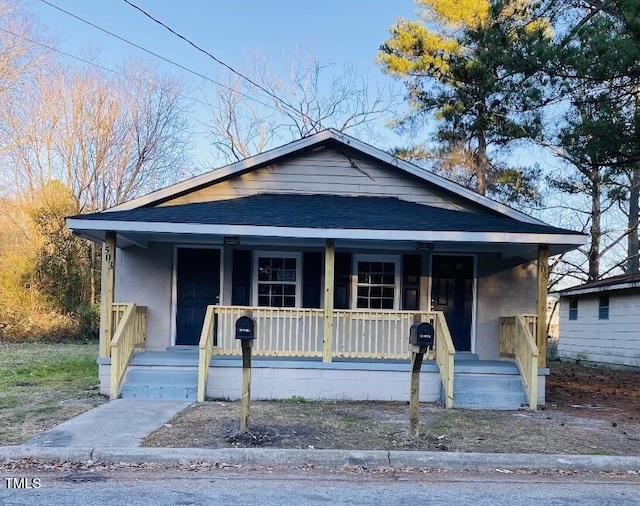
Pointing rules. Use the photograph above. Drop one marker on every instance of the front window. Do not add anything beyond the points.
(603, 307)
(573, 308)
(376, 283)
(277, 279)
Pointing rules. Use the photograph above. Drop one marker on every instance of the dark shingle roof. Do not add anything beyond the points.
(329, 212)
(603, 284)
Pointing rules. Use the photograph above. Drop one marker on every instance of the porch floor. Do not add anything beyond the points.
(188, 357)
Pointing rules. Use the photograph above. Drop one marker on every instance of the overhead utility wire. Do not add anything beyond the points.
(102, 67)
(217, 60)
(156, 55)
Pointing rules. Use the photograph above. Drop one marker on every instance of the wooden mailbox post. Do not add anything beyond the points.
(246, 333)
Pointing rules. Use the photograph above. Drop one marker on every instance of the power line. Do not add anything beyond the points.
(217, 60)
(157, 56)
(88, 62)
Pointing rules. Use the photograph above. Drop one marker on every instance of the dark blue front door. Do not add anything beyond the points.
(452, 293)
(198, 286)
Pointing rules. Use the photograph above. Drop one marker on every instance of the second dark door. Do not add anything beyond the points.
(452, 293)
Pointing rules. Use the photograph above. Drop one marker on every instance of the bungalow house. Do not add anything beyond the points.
(334, 248)
(600, 322)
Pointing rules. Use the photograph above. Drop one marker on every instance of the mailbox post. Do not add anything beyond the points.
(421, 340)
(246, 333)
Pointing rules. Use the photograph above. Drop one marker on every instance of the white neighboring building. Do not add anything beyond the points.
(600, 322)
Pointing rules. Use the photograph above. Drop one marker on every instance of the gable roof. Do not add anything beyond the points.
(624, 281)
(326, 212)
(325, 216)
(325, 137)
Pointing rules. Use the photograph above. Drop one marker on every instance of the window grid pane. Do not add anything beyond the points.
(277, 282)
(376, 285)
(573, 308)
(603, 307)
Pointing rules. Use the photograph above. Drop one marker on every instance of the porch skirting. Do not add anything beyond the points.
(308, 379)
(284, 378)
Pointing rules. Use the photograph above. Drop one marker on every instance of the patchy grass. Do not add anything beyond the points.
(374, 425)
(590, 411)
(42, 385)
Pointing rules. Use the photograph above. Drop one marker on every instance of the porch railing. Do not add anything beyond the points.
(378, 334)
(117, 312)
(445, 355)
(285, 332)
(297, 332)
(282, 332)
(130, 333)
(516, 341)
(205, 353)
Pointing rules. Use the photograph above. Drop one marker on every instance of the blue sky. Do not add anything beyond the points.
(338, 32)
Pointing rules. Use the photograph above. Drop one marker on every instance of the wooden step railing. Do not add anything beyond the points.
(517, 342)
(205, 350)
(445, 355)
(130, 334)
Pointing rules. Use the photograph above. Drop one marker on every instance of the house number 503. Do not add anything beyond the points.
(108, 256)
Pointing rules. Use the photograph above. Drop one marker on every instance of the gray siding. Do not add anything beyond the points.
(504, 288)
(327, 172)
(615, 341)
(144, 276)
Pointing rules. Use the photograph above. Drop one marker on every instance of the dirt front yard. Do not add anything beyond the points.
(589, 411)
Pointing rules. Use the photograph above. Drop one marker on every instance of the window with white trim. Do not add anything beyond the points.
(276, 279)
(376, 282)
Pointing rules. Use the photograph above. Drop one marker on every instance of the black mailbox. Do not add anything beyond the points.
(245, 328)
(422, 334)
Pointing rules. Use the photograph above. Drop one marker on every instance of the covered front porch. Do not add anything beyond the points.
(366, 357)
(332, 315)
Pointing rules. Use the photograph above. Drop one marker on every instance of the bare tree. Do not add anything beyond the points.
(239, 126)
(17, 55)
(245, 120)
(108, 139)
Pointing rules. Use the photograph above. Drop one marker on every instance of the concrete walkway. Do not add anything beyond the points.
(122, 423)
(113, 432)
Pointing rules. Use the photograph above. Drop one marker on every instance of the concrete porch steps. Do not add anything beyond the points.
(168, 384)
(488, 384)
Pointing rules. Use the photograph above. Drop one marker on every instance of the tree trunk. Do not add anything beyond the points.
(633, 260)
(596, 230)
(633, 249)
(482, 165)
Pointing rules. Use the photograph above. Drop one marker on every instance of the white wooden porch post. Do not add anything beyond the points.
(541, 326)
(106, 292)
(329, 261)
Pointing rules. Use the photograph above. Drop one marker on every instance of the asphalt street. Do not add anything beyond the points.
(314, 486)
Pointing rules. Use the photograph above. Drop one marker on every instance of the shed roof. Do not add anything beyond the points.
(621, 282)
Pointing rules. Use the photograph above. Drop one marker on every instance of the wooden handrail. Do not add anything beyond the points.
(205, 350)
(517, 341)
(299, 332)
(445, 355)
(129, 334)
